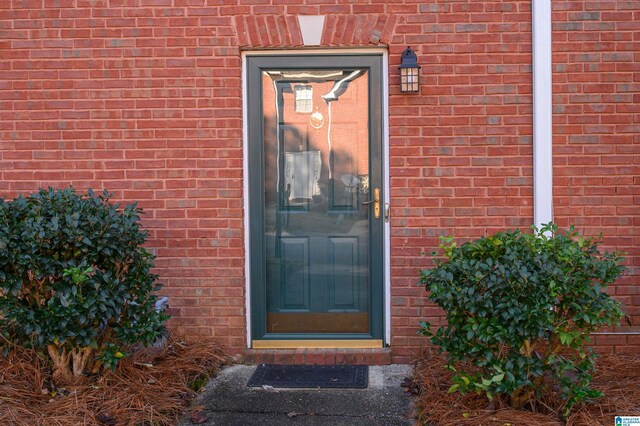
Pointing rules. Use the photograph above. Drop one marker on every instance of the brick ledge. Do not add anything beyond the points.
(378, 356)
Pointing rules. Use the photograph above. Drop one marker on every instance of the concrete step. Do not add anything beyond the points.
(227, 401)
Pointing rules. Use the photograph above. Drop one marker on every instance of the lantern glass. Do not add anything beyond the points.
(409, 81)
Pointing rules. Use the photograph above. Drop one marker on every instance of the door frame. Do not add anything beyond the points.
(386, 284)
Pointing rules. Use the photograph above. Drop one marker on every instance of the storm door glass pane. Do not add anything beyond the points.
(316, 178)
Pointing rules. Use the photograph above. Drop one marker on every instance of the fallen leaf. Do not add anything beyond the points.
(144, 364)
(269, 388)
(198, 417)
(187, 396)
(105, 419)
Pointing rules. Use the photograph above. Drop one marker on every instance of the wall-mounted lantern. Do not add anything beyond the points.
(409, 72)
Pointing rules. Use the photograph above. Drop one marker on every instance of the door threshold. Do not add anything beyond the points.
(317, 344)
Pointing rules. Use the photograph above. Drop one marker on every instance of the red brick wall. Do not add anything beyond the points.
(461, 152)
(596, 55)
(143, 97)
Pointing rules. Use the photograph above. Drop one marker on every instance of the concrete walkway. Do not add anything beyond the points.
(227, 401)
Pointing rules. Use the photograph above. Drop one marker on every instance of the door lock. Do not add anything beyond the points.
(375, 202)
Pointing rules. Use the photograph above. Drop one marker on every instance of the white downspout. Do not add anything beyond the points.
(542, 113)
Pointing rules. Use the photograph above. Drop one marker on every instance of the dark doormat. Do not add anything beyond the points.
(311, 376)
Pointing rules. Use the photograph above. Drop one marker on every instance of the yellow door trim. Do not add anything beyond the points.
(317, 344)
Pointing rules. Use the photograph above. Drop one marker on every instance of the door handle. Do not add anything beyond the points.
(375, 202)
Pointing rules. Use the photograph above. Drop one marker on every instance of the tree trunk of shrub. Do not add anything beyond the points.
(61, 367)
(82, 360)
(70, 365)
(521, 396)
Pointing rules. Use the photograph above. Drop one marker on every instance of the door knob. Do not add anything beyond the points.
(375, 202)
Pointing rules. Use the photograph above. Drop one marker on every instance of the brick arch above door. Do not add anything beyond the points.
(278, 31)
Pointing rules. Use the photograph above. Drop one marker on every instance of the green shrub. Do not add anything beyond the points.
(519, 310)
(75, 280)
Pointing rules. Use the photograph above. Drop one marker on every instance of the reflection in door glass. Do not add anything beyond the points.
(316, 162)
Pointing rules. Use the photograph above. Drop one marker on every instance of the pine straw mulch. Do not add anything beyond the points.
(617, 375)
(151, 386)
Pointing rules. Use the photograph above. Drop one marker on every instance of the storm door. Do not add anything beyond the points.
(315, 197)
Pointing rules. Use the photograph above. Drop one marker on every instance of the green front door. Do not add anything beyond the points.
(315, 196)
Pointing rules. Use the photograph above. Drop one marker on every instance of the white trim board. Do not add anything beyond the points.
(385, 170)
(387, 199)
(245, 199)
